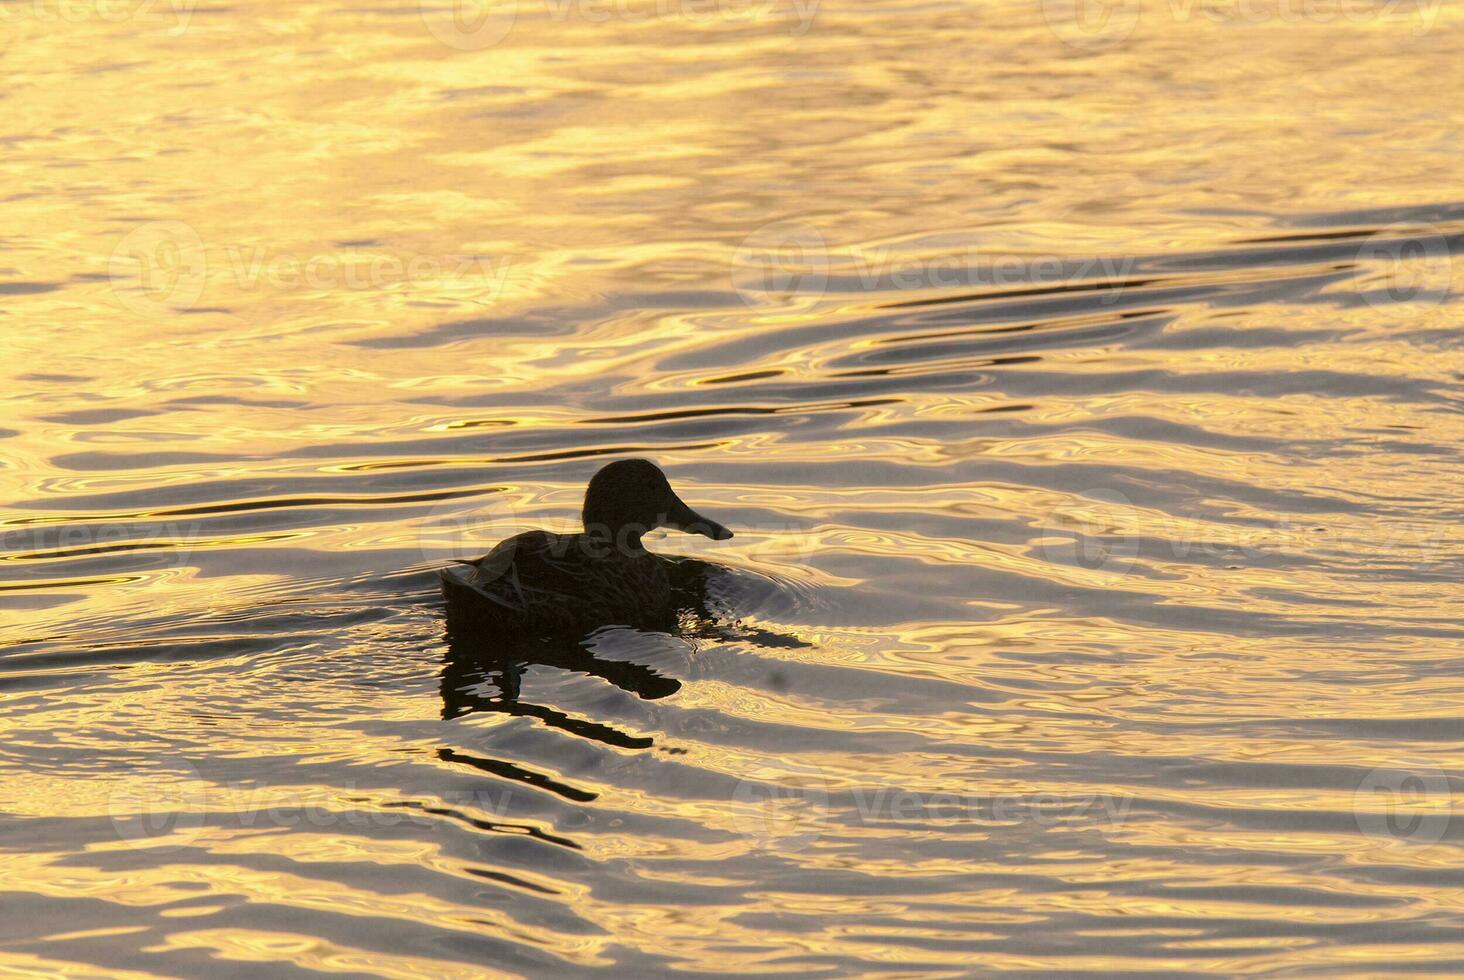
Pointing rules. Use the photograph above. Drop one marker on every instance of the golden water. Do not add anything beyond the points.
(1082, 380)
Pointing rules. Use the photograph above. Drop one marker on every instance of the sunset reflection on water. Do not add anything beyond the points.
(1082, 382)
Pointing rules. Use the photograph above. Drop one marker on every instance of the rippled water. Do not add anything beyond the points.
(1083, 385)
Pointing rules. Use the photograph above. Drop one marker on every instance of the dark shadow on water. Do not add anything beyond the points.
(486, 674)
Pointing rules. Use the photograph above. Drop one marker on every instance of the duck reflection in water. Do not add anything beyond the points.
(535, 598)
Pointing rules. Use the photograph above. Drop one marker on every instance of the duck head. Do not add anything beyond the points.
(631, 496)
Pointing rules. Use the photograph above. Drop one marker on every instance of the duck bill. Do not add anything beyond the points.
(683, 518)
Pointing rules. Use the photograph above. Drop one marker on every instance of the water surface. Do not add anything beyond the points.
(1085, 395)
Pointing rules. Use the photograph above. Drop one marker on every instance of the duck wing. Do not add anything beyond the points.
(538, 579)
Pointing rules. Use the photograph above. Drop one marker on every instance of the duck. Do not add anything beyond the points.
(539, 582)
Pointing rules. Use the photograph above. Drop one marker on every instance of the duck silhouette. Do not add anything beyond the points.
(539, 582)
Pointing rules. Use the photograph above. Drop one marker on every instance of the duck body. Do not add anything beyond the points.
(539, 582)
